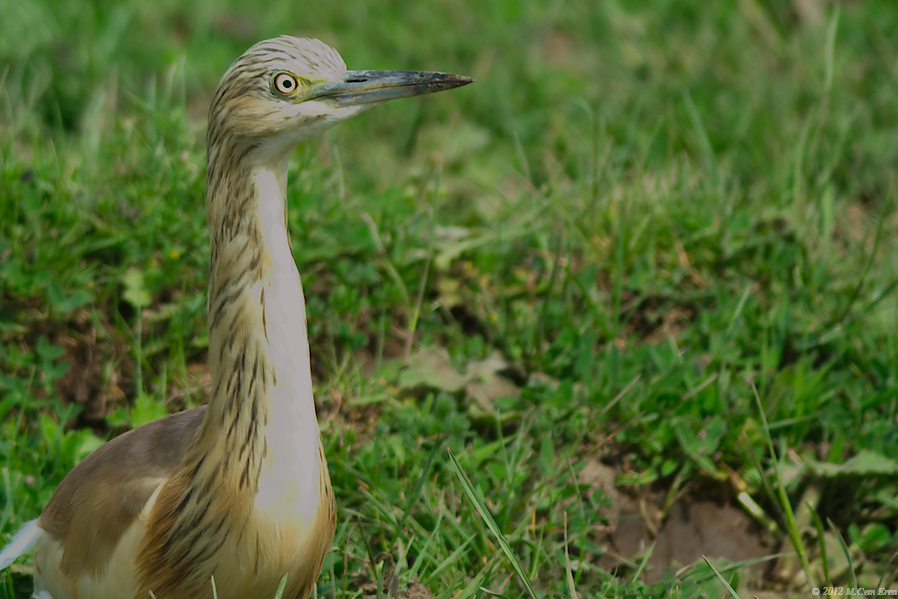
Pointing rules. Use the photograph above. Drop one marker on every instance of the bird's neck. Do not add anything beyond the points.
(255, 477)
(261, 413)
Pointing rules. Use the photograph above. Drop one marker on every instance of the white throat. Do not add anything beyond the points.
(288, 483)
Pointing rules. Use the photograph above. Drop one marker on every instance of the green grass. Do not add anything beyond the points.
(659, 235)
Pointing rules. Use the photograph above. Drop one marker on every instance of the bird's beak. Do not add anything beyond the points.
(373, 87)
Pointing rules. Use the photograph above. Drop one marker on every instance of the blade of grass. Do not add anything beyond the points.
(720, 577)
(491, 523)
(282, 586)
(643, 563)
(372, 561)
(420, 484)
(475, 585)
(792, 527)
(884, 581)
(572, 589)
(852, 577)
(821, 541)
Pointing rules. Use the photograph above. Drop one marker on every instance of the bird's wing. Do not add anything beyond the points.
(102, 496)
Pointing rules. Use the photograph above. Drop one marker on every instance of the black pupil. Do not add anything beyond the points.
(286, 83)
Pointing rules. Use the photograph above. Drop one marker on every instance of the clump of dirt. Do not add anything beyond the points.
(415, 590)
(694, 527)
(85, 383)
(394, 589)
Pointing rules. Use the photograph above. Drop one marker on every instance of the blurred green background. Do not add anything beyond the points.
(639, 278)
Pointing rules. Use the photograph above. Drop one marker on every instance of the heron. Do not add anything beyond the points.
(237, 490)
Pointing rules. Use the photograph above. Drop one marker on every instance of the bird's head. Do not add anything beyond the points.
(285, 90)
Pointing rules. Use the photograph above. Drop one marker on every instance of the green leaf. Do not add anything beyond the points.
(136, 292)
(146, 409)
(865, 463)
(699, 446)
(62, 304)
(874, 537)
(431, 368)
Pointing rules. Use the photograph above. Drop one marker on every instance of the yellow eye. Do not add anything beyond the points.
(285, 83)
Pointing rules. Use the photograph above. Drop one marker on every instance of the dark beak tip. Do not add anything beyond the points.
(453, 80)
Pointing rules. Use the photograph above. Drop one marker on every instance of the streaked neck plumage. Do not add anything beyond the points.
(256, 468)
(258, 344)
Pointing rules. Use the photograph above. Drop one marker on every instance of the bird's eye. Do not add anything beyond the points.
(285, 83)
